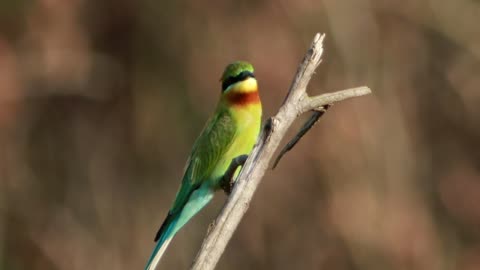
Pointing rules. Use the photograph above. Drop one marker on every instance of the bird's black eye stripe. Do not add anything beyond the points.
(240, 77)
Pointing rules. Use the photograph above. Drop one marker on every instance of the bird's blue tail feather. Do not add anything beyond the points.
(163, 238)
(199, 198)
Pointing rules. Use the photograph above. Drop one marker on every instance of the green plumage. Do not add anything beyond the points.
(207, 151)
(235, 68)
(229, 133)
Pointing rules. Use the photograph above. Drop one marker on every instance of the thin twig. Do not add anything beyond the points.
(296, 103)
(305, 128)
(315, 102)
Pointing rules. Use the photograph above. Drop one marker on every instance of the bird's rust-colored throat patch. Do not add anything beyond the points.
(243, 98)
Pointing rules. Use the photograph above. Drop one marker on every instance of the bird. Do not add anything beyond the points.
(230, 132)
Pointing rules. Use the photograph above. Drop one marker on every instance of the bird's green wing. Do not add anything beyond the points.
(210, 146)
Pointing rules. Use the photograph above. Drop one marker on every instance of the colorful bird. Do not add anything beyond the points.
(230, 132)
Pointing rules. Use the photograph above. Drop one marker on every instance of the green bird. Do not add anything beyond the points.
(230, 132)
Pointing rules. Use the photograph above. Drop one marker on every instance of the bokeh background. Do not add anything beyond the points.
(100, 102)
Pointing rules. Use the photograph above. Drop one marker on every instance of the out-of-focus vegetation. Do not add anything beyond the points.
(100, 102)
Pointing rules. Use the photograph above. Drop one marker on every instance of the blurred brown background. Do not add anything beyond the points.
(100, 102)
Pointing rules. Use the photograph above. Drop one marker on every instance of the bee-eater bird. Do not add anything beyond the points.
(230, 132)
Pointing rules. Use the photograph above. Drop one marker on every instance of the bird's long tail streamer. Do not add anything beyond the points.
(162, 244)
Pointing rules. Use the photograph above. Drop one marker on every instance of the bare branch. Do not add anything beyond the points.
(296, 103)
(306, 69)
(305, 128)
(312, 103)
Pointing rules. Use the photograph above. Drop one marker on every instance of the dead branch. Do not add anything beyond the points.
(296, 103)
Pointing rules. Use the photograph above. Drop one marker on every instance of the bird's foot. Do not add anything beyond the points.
(227, 186)
(228, 179)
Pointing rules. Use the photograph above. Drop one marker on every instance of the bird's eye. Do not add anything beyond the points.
(240, 77)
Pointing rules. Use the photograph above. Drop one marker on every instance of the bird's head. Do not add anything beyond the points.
(237, 73)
